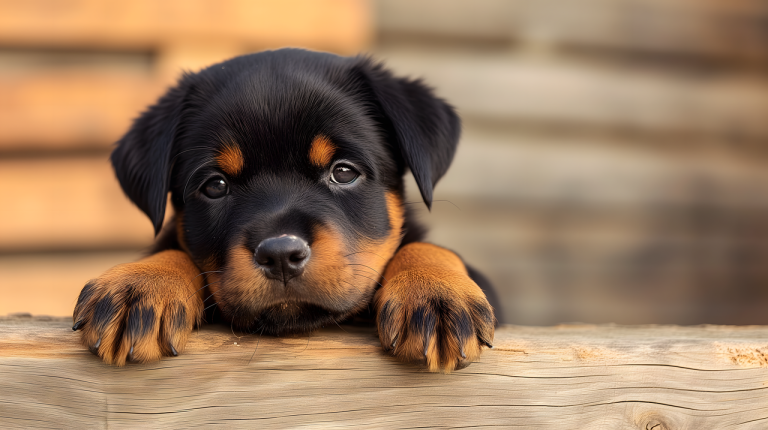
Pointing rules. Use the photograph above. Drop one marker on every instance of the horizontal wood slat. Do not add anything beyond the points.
(717, 29)
(578, 95)
(71, 110)
(339, 25)
(87, 108)
(73, 203)
(586, 377)
(49, 283)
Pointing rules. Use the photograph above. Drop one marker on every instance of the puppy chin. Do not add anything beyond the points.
(286, 318)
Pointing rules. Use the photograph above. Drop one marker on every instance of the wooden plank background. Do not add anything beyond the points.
(586, 377)
(603, 172)
(612, 166)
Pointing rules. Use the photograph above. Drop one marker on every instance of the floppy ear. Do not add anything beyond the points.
(142, 157)
(426, 128)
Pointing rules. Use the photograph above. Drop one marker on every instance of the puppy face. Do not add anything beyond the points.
(301, 169)
(285, 172)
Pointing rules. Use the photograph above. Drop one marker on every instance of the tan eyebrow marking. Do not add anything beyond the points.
(230, 159)
(321, 152)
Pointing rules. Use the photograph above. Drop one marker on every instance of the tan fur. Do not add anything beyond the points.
(417, 275)
(326, 280)
(340, 274)
(181, 237)
(321, 152)
(161, 282)
(230, 159)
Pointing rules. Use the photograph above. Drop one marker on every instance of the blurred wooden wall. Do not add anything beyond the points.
(613, 166)
(614, 163)
(73, 75)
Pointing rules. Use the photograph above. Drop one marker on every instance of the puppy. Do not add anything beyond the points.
(285, 172)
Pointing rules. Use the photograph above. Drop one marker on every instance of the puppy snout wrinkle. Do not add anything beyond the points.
(283, 257)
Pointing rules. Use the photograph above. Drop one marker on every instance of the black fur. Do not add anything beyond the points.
(142, 158)
(141, 320)
(271, 105)
(425, 128)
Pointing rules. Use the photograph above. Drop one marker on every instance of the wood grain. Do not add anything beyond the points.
(586, 377)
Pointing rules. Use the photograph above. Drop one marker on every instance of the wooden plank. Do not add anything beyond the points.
(82, 110)
(510, 164)
(68, 204)
(76, 109)
(88, 107)
(714, 29)
(587, 377)
(572, 95)
(48, 284)
(337, 25)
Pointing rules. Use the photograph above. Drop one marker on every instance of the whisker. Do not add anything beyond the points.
(232, 323)
(257, 345)
(433, 201)
(337, 325)
(187, 150)
(254, 330)
(377, 272)
(361, 271)
(173, 161)
(307, 345)
(369, 252)
(206, 285)
(211, 307)
(353, 286)
(184, 192)
(203, 273)
(357, 274)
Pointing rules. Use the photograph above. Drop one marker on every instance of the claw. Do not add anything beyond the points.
(394, 342)
(462, 364)
(173, 350)
(130, 354)
(486, 343)
(463, 355)
(95, 347)
(78, 325)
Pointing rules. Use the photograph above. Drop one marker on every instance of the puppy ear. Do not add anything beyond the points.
(142, 158)
(426, 128)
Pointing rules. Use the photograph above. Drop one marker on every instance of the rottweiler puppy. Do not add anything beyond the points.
(285, 173)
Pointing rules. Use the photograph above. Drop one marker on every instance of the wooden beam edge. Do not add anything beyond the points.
(536, 377)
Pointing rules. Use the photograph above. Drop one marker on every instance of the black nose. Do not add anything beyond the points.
(282, 257)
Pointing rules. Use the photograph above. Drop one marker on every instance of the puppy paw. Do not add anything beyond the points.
(441, 319)
(138, 312)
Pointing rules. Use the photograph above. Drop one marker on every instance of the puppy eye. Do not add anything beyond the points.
(344, 174)
(215, 188)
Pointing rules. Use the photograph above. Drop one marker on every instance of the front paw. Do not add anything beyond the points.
(137, 312)
(442, 319)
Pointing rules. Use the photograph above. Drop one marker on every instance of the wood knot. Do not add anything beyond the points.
(655, 425)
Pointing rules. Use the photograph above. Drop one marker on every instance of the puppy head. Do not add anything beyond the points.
(285, 172)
